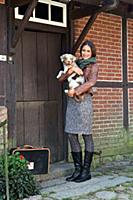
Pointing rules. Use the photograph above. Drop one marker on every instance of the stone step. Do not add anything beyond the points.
(56, 170)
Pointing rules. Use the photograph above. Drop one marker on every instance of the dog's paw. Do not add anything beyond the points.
(57, 76)
(66, 91)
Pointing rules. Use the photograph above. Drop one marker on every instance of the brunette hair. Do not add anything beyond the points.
(91, 45)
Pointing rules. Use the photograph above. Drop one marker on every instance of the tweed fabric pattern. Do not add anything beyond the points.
(79, 116)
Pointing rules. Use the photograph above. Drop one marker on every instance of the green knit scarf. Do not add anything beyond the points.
(83, 62)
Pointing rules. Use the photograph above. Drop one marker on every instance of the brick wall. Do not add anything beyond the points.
(106, 33)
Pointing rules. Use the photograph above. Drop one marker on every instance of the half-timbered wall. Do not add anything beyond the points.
(112, 117)
(33, 96)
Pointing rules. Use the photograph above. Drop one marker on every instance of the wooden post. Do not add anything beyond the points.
(7, 77)
(3, 51)
(3, 70)
(21, 27)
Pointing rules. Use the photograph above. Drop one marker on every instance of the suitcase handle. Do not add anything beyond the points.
(27, 146)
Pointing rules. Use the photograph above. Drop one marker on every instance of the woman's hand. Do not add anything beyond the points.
(71, 93)
(70, 71)
(77, 70)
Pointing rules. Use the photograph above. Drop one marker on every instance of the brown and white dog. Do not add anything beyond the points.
(74, 80)
(68, 61)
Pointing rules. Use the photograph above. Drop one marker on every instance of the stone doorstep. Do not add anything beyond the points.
(56, 170)
(61, 169)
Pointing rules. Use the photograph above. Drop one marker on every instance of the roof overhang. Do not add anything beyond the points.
(97, 2)
(82, 8)
(17, 3)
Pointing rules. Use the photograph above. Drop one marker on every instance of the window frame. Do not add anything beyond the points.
(49, 21)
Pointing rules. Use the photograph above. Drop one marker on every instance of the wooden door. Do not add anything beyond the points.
(39, 96)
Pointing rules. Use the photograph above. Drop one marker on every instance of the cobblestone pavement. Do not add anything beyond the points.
(112, 181)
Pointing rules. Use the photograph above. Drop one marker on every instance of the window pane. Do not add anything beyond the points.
(41, 11)
(22, 10)
(56, 13)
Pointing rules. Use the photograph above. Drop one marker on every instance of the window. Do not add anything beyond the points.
(46, 12)
(56, 14)
(42, 11)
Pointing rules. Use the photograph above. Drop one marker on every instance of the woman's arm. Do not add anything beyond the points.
(77, 70)
(91, 81)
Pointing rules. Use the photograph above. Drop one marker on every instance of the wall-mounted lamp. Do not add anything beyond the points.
(111, 4)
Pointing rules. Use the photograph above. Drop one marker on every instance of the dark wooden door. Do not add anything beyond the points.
(39, 96)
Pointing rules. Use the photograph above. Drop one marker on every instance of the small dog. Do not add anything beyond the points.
(68, 61)
(74, 80)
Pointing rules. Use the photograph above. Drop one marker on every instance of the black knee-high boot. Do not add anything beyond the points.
(77, 158)
(85, 174)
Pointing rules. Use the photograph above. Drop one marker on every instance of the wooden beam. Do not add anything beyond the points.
(84, 32)
(97, 2)
(122, 14)
(82, 12)
(10, 25)
(23, 23)
(3, 51)
(125, 73)
(17, 3)
(127, 1)
(122, 10)
(89, 2)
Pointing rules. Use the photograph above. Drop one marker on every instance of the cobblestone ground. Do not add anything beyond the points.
(121, 187)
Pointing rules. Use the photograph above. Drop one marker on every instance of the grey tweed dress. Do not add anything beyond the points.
(79, 116)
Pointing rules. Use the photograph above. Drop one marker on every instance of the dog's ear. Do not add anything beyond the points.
(62, 57)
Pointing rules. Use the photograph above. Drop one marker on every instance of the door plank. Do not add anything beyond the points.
(42, 66)
(19, 71)
(29, 66)
(51, 110)
(31, 123)
(54, 47)
(20, 123)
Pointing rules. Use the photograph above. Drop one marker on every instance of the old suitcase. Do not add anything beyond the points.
(39, 158)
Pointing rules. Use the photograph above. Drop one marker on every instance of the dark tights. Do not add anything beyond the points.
(75, 144)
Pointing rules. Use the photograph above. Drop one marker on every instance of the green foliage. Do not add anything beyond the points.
(21, 181)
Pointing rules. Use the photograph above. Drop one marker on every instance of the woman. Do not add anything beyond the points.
(79, 114)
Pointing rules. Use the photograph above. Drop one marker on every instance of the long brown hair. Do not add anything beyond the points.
(91, 45)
